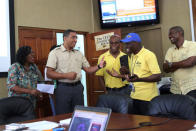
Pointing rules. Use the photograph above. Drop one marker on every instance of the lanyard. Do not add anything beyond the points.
(133, 65)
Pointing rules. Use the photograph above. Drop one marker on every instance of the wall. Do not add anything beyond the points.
(82, 16)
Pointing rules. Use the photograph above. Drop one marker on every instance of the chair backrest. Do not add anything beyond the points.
(16, 109)
(176, 106)
(117, 102)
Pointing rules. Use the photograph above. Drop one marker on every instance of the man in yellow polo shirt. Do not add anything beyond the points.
(180, 61)
(112, 84)
(144, 73)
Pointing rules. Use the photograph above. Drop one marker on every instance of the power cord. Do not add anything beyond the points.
(143, 124)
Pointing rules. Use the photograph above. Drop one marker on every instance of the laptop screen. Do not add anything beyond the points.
(90, 119)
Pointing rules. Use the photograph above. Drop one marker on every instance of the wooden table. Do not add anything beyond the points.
(129, 121)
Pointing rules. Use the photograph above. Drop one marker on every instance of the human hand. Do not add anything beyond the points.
(113, 73)
(71, 75)
(167, 65)
(124, 70)
(102, 63)
(35, 92)
(133, 78)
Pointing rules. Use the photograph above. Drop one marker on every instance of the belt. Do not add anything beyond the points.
(69, 84)
(115, 89)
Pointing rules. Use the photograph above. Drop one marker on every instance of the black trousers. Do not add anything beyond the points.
(140, 107)
(123, 90)
(67, 97)
(192, 93)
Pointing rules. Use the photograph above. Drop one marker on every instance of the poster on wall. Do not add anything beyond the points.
(102, 41)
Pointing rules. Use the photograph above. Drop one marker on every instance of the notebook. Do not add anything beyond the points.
(89, 119)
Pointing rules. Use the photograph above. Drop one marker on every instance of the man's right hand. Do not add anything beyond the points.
(124, 70)
(71, 75)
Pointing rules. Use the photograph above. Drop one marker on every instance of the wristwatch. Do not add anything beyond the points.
(98, 66)
(170, 64)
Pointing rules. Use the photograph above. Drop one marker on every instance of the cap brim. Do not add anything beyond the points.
(124, 40)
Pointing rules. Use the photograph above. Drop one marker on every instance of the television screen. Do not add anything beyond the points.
(119, 13)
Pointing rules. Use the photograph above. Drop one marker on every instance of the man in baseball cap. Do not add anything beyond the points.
(143, 70)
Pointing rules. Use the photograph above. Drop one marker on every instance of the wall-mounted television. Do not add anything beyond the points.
(124, 13)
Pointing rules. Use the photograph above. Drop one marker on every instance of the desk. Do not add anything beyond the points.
(128, 120)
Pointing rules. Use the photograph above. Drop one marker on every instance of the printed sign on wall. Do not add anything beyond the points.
(102, 41)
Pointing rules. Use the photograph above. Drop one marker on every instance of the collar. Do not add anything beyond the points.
(140, 52)
(31, 66)
(184, 45)
(63, 49)
(109, 54)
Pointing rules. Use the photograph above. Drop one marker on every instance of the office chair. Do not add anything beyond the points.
(117, 102)
(16, 109)
(173, 106)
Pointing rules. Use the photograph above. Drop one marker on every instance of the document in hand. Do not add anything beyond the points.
(46, 88)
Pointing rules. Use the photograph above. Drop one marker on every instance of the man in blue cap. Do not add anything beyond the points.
(142, 72)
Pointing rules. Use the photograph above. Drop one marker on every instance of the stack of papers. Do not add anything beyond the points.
(41, 125)
(14, 126)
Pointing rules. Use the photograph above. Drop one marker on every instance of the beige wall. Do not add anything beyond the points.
(174, 12)
(82, 16)
(55, 14)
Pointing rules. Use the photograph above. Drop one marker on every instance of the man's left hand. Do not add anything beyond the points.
(133, 78)
(102, 63)
(113, 73)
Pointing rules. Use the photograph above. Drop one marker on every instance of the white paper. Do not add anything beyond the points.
(46, 88)
(65, 121)
(41, 125)
(14, 126)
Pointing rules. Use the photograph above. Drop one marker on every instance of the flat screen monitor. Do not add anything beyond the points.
(124, 13)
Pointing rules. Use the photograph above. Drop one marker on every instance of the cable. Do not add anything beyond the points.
(125, 128)
(161, 123)
(143, 124)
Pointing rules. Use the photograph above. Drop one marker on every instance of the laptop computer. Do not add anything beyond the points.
(89, 119)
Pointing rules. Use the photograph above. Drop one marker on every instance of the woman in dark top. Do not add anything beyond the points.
(24, 75)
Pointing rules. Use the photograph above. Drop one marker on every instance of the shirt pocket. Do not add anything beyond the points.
(77, 62)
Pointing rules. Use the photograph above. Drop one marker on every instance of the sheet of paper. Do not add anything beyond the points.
(46, 88)
(41, 125)
(65, 121)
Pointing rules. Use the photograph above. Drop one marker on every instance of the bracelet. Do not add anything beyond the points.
(98, 66)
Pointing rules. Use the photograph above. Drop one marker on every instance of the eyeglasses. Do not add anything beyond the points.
(116, 42)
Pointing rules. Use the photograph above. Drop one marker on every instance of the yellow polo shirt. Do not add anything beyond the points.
(184, 79)
(144, 64)
(111, 62)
